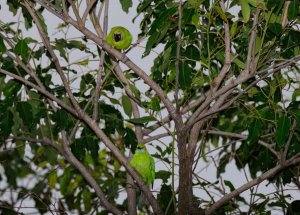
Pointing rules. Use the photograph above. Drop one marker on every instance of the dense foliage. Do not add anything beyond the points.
(224, 87)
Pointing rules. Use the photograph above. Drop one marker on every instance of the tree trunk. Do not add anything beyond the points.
(185, 178)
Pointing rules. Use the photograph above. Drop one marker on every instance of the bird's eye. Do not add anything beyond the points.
(117, 37)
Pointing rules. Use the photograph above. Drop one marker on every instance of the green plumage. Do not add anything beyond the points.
(119, 37)
(144, 164)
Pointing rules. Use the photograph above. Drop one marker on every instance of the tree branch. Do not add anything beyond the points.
(42, 91)
(243, 137)
(266, 175)
(120, 157)
(251, 46)
(68, 155)
(216, 84)
(288, 142)
(244, 76)
(101, 135)
(225, 89)
(87, 176)
(76, 12)
(88, 9)
(27, 67)
(101, 65)
(178, 58)
(156, 137)
(53, 55)
(123, 58)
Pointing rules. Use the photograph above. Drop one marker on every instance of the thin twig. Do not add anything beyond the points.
(240, 80)
(124, 59)
(244, 76)
(156, 137)
(243, 137)
(101, 65)
(27, 68)
(76, 12)
(53, 55)
(87, 10)
(178, 58)
(42, 91)
(268, 174)
(288, 142)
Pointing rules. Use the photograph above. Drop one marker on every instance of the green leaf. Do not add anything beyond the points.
(135, 91)
(154, 104)
(78, 148)
(221, 13)
(126, 103)
(254, 131)
(275, 28)
(90, 142)
(255, 3)
(113, 118)
(233, 29)
(282, 131)
(13, 6)
(51, 156)
(194, 3)
(60, 45)
(142, 120)
(126, 4)
(61, 118)
(238, 62)
(293, 10)
(25, 111)
(185, 75)
(41, 21)
(159, 29)
(6, 124)
(130, 139)
(20, 147)
(86, 197)
(52, 179)
(27, 17)
(295, 207)
(296, 115)
(165, 200)
(2, 46)
(196, 20)
(76, 45)
(65, 181)
(192, 53)
(163, 175)
(223, 163)
(22, 49)
(2, 83)
(84, 62)
(11, 175)
(230, 185)
(152, 40)
(245, 10)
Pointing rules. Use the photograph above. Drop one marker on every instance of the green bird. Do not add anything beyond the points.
(119, 37)
(144, 164)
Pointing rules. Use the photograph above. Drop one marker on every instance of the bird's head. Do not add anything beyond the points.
(140, 148)
(118, 36)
